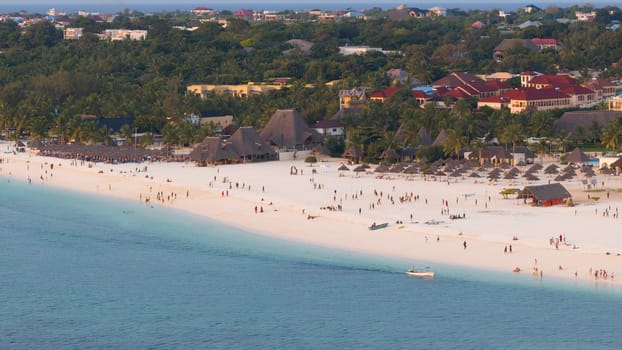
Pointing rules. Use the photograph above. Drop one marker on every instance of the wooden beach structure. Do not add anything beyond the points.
(546, 195)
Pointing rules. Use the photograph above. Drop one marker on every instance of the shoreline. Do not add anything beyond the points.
(299, 208)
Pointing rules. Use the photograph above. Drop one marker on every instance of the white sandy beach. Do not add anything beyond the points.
(230, 194)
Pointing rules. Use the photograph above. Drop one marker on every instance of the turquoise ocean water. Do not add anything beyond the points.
(80, 272)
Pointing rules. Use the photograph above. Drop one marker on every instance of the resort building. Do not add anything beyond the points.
(602, 87)
(535, 44)
(539, 81)
(384, 95)
(585, 16)
(537, 99)
(353, 98)
(469, 85)
(204, 11)
(73, 33)
(330, 127)
(123, 34)
(358, 50)
(240, 90)
(615, 104)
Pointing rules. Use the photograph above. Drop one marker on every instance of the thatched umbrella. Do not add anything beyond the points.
(514, 171)
(589, 173)
(411, 170)
(560, 177)
(509, 176)
(439, 173)
(474, 174)
(456, 173)
(487, 165)
(430, 171)
(531, 177)
(495, 171)
(551, 169)
(605, 171)
(470, 164)
(494, 176)
(343, 167)
(534, 168)
(396, 168)
(360, 168)
(505, 166)
(382, 168)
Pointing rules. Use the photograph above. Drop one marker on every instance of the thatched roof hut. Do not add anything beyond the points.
(213, 150)
(390, 154)
(286, 129)
(424, 137)
(440, 138)
(616, 166)
(35, 144)
(576, 156)
(545, 195)
(250, 146)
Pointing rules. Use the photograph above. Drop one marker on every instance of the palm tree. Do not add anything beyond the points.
(512, 134)
(612, 135)
(453, 143)
(564, 140)
(543, 146)
(478, 145)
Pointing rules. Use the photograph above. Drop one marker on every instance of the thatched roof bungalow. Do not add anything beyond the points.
(250, 146)
(213, 150)
(545, 195)
(287, 130)
(576, 156)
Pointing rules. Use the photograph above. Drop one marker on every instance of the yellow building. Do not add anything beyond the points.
(615, 104)
(241, 90)
(354, 98)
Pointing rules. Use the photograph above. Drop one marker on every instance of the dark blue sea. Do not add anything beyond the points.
(79, 272)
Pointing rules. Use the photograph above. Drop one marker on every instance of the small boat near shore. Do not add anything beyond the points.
(375, 226)
(425, 273)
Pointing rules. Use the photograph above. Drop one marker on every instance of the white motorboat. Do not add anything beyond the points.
(420, 273)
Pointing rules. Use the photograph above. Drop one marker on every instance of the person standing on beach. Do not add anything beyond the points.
(464, 244)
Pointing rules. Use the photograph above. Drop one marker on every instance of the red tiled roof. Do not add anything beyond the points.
(576, 90)
(457, 93)
(477, 24)
(467, 90)
(545, 42)
(442, 91)
(386, 93)
(497, 85)
(419, 94)
(495, 99)
(456, 79)
(243, 13)
(326, 124)
(598, 83)
(532, 94)
(553, 80)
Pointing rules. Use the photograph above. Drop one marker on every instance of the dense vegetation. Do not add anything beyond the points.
(47, 82)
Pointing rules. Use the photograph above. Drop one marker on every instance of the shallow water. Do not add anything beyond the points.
(85, 272)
